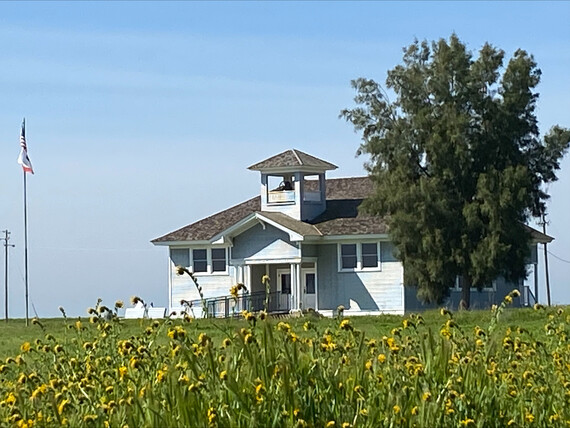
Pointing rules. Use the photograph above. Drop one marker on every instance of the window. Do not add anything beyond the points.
(360, 256)
(348, 256)
(285, 283)
(218, 259)
(458, 285)
(370, 255)
(310, 283)
(200, 260)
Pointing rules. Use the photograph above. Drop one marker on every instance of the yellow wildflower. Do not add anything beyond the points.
(211, 415)
(11, 399)
(122, 372)
(345, 325)
(61, 406)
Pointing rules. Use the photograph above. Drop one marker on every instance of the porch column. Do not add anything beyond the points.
(247, 277)
(294, 295)
(299, 291)
(535, 284)
(296, 302)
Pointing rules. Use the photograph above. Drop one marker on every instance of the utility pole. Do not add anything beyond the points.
(544, 223)
(6, 246)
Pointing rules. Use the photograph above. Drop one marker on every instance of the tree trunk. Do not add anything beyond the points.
(465, 293)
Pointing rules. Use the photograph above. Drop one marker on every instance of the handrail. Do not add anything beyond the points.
(229, 305)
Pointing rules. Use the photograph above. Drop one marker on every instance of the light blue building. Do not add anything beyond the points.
(305, 233)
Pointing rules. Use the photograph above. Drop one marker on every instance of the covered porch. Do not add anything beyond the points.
(291, 285)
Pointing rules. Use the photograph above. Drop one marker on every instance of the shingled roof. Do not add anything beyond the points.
(341, 217)
(292, 158)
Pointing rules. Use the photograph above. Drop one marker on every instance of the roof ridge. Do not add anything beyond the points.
(297, 156)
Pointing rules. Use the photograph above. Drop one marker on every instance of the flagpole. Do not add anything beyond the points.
(26, 245)
(24, 160)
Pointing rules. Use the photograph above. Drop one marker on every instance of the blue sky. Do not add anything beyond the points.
(143, 117)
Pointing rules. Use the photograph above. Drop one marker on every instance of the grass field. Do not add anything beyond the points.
(507, 367)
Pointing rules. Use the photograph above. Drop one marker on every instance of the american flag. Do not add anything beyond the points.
(23, 159)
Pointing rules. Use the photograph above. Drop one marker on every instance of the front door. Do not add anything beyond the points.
(284, 289)
(308, 287)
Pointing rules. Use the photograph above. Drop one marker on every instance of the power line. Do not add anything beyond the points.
(559, 258)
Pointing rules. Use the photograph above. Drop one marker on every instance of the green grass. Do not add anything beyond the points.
(507, 367)
(14, 332)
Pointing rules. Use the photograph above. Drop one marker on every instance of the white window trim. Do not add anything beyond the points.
(359, 267)
(493, 286)
(209, 264)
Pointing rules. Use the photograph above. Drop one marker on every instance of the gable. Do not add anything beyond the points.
(278, 250)
(256, 239)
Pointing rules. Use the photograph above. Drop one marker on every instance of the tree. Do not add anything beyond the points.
(457, 162)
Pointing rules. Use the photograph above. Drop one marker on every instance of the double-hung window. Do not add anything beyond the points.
(348, 256)
(359, 256)
(201, 260)
(218, 259)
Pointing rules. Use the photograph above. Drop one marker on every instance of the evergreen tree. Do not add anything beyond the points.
(457, 161)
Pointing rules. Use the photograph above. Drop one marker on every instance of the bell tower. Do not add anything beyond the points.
(293, 183)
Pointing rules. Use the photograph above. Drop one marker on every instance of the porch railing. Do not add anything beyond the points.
(228, 306)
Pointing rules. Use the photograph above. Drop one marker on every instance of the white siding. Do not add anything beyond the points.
(385, 287)
(212, 286)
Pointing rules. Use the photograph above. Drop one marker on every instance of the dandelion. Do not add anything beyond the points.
(122, 372)
(330, 424)
(467, 422)
(345, 325)
(89, 418)
(415, 411)
(224, 375)
(381, 358)
(211, 415)
(283, 326)
(61, 406)
(25, 347)
(396, 409)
